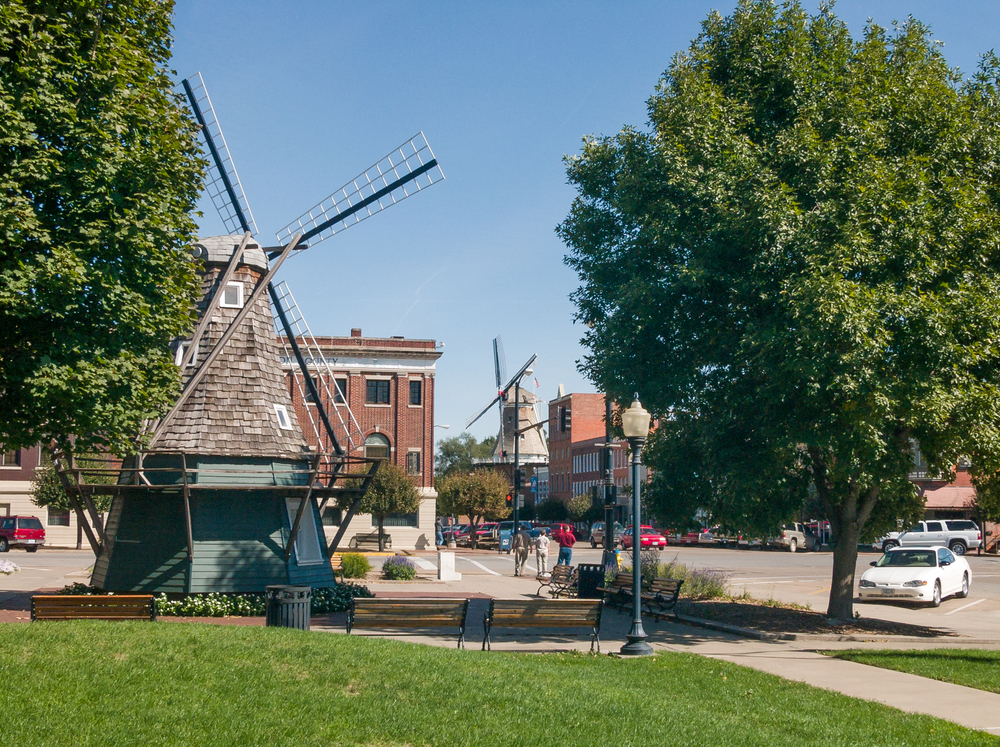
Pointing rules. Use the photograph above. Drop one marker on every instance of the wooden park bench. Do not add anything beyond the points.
(93, 607)
(337, 563)
(660, 597)
(389, 613)
(358, 541)
(561, 581)
(545, 613)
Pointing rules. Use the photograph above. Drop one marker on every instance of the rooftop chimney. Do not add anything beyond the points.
(356, 332)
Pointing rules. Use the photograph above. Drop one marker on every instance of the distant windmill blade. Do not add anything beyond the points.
(408, 169)
(223, 182)
(482, 412)
(499, 361)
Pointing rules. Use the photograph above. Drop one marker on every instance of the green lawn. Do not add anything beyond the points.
(90, 683)
(969, 667)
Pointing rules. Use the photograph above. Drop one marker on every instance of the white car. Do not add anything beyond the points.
(919, 574)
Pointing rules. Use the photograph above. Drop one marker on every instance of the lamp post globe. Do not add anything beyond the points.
(635, 424)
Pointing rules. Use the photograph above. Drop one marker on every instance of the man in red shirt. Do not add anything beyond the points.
(564, 536)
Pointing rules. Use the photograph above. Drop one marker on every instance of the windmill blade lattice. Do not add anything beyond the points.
(405, 171)
(223, 183)
(325, 378)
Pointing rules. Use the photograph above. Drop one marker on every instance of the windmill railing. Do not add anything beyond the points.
(173, 469)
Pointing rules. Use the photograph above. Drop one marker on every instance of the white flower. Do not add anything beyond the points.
(7, 567)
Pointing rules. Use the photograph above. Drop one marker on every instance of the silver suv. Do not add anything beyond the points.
(958, 535)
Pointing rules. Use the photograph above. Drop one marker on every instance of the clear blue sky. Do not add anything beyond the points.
(309, 94)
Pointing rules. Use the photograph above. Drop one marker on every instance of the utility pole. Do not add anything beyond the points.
(517, 455)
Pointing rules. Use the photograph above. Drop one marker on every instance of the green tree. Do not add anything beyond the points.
(552, 509)
(455, 454)
(798, 267)
(579, 507)
(390, 492)
(100, 173)
(478, 495)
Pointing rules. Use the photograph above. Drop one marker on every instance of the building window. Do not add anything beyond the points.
(57, 517)
(232, 296)
(377, 446)
(416, 392)
(9, 458)
(413, 463)
(340, 391)
(399, 520)
(377, 391)
(284, 422)
(332, 516)
(182, 348)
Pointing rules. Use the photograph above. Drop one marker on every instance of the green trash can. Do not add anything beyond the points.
(288, 607)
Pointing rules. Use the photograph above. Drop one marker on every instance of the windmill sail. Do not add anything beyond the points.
(223, 182)
(405, 171)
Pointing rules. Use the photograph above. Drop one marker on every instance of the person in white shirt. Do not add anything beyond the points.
(542, 552)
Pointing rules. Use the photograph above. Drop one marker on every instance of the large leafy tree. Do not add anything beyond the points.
(479, 495)
(454, 455)
(798, 267)
(391, 492)
(99, 173)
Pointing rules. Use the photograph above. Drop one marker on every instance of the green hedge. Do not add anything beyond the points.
(324, 599)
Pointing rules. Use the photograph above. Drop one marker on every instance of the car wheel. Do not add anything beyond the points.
(957, 547)
(32, 549)
(888, 545)
(936, 599)
(4, 546)
(793, 545)
(965, 586)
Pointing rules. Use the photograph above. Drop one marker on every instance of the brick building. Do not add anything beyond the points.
(576, 427)
(17, 470)
(388, 384)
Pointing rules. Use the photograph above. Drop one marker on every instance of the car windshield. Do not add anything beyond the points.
(908, 559)
(31, 523)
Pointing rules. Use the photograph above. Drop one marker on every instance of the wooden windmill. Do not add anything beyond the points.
(227, 495)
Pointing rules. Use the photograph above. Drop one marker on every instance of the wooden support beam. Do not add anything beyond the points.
(80, 516)
(306, 501)
(95, 517)
(187, 507)
(344, 522)
(203, 369)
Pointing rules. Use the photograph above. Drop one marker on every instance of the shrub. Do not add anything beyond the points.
(699, 583)
(399, 568)
(356, 565)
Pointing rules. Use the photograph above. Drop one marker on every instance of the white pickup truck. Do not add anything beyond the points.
(958, 535)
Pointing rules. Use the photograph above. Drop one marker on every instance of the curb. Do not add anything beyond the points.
(831, 637)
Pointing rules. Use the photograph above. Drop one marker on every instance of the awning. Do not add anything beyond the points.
(949, 496)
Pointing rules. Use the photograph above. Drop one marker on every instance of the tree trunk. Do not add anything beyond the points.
(381, 535)
(79, 535)
(845, 560)
(473, 534)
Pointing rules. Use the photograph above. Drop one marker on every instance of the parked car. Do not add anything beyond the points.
(648, 537)
(455, 531)
(794, 536)
(958, 535)
(597, 534)
(921, 574)
(21, 531)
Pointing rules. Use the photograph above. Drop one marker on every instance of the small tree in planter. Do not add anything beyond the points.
(477, 495)
(391, 492)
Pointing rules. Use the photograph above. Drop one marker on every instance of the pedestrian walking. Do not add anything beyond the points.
(566, 541)
(542, 552)
(522, 545)
(438, 533)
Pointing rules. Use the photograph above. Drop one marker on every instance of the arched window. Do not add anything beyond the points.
(377, 445)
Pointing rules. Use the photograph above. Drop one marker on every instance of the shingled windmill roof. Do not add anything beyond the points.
(232, 411)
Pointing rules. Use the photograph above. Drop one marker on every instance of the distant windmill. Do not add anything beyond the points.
(516, 421)
(224, 497)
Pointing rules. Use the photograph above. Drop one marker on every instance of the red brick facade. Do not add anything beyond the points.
(394, 363)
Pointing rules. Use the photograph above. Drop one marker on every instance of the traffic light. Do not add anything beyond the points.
(517, 480)
(510, 500)
(611, 497)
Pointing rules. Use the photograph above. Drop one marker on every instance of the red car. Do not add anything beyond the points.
(649, 537)
(21, 531)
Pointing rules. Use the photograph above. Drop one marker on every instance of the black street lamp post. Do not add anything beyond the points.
(635, 423)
